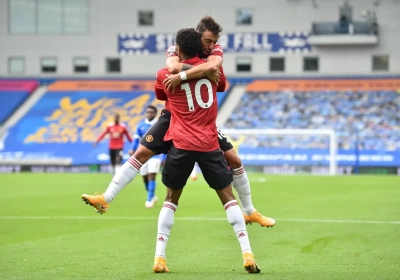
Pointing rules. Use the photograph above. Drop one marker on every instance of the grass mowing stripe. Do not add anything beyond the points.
(192, 219)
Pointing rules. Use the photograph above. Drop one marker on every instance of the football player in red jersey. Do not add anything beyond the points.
(210, 31)
(117, 131)
(153, 141)
(194, 138)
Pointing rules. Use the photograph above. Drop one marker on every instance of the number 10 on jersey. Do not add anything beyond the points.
(197, 94)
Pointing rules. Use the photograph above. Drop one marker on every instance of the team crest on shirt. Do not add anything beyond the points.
(149, 138)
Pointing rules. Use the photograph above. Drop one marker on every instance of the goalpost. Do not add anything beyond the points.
(296, 132)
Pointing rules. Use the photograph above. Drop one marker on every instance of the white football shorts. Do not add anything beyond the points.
(151, 166)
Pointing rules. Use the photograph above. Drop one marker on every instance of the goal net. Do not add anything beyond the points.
(286, 150)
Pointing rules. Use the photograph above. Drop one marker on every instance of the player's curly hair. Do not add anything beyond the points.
(189, 41)
(208, 23)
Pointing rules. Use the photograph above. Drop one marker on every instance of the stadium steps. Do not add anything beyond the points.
(230, 103)
(21, 111)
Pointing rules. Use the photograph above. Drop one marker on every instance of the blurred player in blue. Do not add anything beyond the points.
(150, 169)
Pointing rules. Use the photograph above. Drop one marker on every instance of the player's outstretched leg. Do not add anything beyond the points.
(123, 177)
(165, 223)
(241, 185)
(235, 218)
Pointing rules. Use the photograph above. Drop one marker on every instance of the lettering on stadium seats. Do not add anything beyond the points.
(82, 120)
(332, 84)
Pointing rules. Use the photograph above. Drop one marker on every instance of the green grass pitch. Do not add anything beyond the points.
(327, 228)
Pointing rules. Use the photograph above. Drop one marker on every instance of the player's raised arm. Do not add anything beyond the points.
(213, 63)
(126, 132)
(173, 62)
(175, 66)
(106, 131)
(205, 69)
(187, 72)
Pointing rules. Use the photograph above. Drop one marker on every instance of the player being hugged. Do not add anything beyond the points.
(210, 50)
(195, 139)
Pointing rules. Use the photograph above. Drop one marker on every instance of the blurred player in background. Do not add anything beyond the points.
(195, 139)
(236, 142)
(150, 169)
(117, 131)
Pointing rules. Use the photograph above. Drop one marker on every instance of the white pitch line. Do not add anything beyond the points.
(191, 219)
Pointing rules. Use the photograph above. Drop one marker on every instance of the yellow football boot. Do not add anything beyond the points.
(97, 201)
(160, 265)
(256, 217)
(250, 264)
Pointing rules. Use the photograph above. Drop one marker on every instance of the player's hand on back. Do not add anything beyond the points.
(172, 81)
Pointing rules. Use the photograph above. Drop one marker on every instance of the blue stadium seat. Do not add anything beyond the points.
(10, 101)
(12, 94)
(374, 115)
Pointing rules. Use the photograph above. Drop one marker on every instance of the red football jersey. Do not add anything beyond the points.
(161, 95)
(159, 90)
(194, 111)
(117, 132)
(217, 50)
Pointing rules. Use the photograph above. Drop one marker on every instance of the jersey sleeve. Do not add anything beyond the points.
(222, 80)
(138, 133)
(159, 87)
(171, 51)
(127, 135)
(217, 50)
(103, 134)
(136, 138)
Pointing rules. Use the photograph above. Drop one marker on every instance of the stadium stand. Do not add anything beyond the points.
(12, 94)
(372, 114)
(221, 96)
(71, 115)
